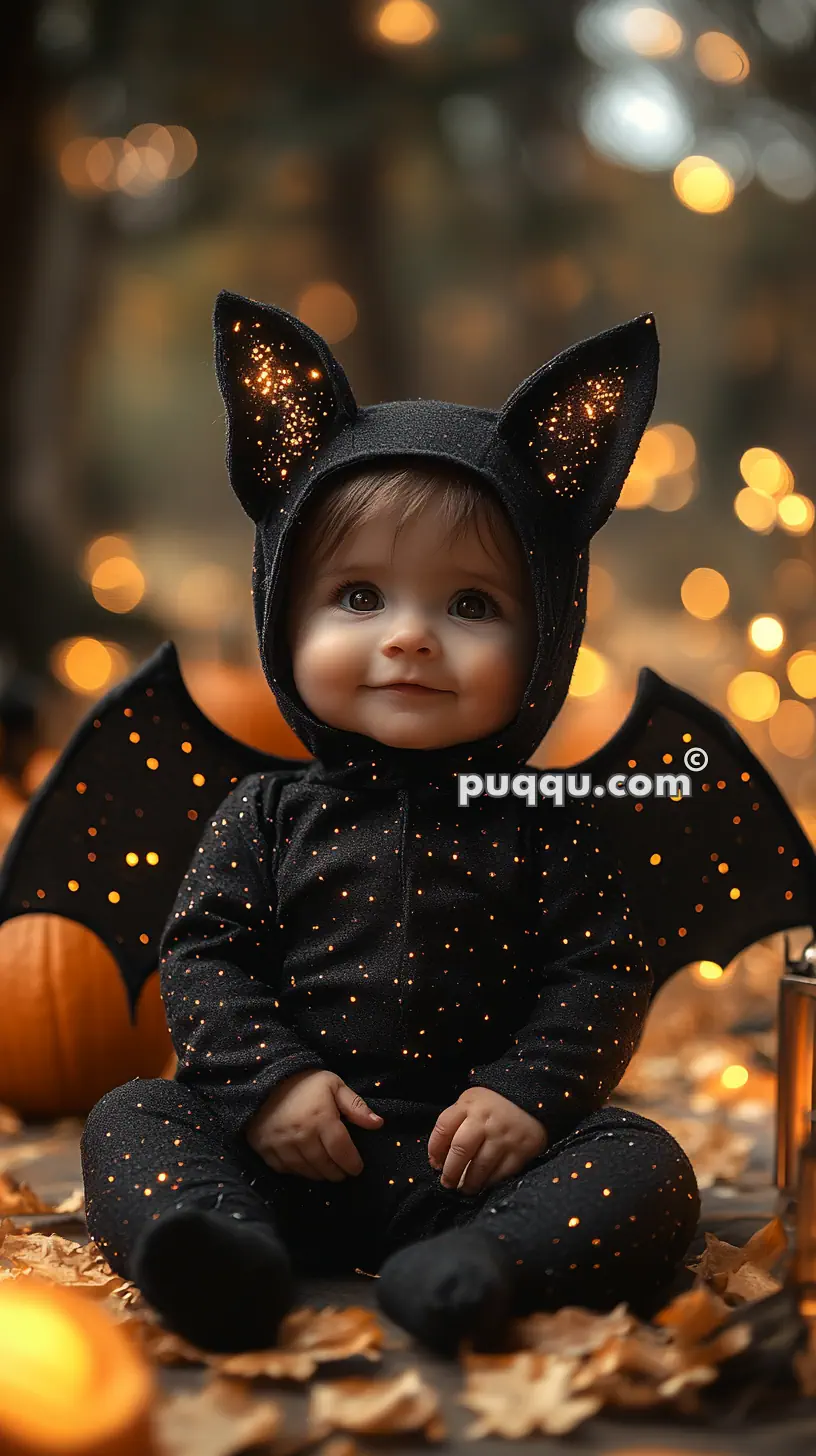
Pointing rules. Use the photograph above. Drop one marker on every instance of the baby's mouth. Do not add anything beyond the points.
(415, 689)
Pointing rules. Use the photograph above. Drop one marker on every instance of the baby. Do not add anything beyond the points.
(397, 1021)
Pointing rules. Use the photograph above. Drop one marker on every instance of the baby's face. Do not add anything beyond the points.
(456, 618)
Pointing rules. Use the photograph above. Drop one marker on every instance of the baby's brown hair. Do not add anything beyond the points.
(359, 494)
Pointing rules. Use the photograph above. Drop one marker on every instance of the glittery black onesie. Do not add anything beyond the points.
(347, 914)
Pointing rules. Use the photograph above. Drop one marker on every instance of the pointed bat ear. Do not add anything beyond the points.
(579, 419)
(285, 394)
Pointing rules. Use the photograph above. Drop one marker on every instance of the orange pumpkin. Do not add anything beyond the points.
(65, 1032)
(239, 700)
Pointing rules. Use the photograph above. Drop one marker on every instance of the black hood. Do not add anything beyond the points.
(557, 455)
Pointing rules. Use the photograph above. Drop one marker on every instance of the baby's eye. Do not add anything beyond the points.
(474, 604)
(357, 598)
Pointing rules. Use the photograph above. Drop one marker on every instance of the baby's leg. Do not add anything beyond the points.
(602, 1216)
(171, 1206)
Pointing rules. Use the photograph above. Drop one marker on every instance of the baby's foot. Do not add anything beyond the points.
(455, 1285)
(223, 1283)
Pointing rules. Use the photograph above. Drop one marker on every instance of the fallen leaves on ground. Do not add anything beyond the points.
(61, 1260)
(17, 1198)
(518, 1395)
(376, 1407)
(564, 1367)
(307, 1338)
(741, 1274)
(574, 1362)
(221, 1419)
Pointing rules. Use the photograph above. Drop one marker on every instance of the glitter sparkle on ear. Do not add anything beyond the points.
(578, 422)
(288, 399)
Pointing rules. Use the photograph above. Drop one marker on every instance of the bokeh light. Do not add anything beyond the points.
(705, 593)
(101, 549)
(702, 185)
(707, 973)
(652, 33)
(328, 309)
(590, 673)
(601, 593)
(801, 670)
(791, 729)
(673, 492)
(117, 584)
(638, 117)
(753, 696)
(721, 58)
(734, 1076)
(766, 633)
(766, 472)
(150, 155)
(795, 514)
(87, 666)
(755, 511)
(406, 22)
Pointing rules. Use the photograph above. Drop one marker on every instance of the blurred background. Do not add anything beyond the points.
(450, 193)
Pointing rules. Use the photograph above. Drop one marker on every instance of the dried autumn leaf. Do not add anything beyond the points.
(766, 1245)
(518, 1395)
(221, 1419)
(309, 1337)
(693, 1315)
(742, 1274)
(331, 1333)
(161, 1345)
(376, 1407)
(62, 1260)
(571, 1330)
(18, 1198)
(750, 1282)
(74, 1203)
(718, 1258)
(627, 1373)
(126, 1301)
(272, 1364)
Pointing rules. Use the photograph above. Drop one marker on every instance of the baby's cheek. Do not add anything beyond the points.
(327, 662)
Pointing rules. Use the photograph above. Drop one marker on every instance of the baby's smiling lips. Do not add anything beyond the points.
(410, 688)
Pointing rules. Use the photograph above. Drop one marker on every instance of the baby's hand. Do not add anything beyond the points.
(487, 1131)
(298, 1128)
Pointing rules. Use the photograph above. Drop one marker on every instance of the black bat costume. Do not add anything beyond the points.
(345, 913)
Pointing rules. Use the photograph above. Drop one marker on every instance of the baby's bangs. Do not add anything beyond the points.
(355, 499)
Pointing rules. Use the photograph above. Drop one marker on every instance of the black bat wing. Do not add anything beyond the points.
(713, 871)
(109, 834)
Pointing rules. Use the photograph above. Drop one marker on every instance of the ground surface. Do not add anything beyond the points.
(733, 1212)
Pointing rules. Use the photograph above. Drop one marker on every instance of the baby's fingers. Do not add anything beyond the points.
(483, 1170)
(339, 1147)
(312, 1161)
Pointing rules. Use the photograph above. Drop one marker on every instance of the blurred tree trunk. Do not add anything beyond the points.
(49, 268)
(22, 103)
